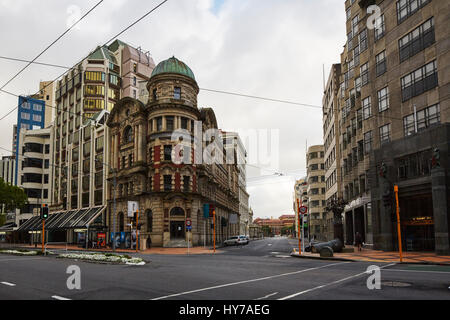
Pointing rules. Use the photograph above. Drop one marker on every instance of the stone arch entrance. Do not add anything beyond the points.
(177, 221)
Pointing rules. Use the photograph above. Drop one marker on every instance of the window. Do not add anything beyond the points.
(385, 134)
(380, 27)
(96, 76)
(428, 117)
(37, 107)
(367, 109)
(37, 117)
(406, 8)
(186, 183)
(130, 160)
(134, 81)
(128, 135)
(149, 221)
(417, 40)
(177, 93)
(87, 149)
(167, 183)
(154, 95)
(363, 43)
(94, 104)
(113, 94)
(167, 153)
(383, 99)
(368, 140)
(364, 70)
(93, 90)
(380, 60)
(419, 81)
(25, 116)
(170, 123)
(99, 143)
(184, 123)
(159, 123)
(114, 80)
(409, 125)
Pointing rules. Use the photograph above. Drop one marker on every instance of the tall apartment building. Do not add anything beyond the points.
(393, 110)
(34, 173)
(47, 94)
(331, 134)
(316, 191)
(84, 97)
(234, 148)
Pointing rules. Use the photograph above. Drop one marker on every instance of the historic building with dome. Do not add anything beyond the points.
(168, 192)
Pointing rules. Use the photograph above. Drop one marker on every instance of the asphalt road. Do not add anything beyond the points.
(262, 270)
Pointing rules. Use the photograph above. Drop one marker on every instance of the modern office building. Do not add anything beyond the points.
(84, 97)
(30, 116)
(394, 95)
(316, 192)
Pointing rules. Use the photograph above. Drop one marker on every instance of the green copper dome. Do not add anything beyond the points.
(173, 65)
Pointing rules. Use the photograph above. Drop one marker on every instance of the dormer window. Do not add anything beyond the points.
(177, 93)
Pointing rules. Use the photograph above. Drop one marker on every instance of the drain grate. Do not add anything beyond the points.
(396, 284)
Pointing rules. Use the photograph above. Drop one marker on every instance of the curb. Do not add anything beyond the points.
(353, 260)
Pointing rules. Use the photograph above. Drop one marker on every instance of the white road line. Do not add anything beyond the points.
(22, 259)
(8, 284)
(269, 295)
(403, 270)
(247, 281)
(60, 298)
(329, 284)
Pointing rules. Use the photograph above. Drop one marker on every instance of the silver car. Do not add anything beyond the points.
(231, 241)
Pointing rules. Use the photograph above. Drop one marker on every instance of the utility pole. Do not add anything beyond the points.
(114, 213)
(137, 230)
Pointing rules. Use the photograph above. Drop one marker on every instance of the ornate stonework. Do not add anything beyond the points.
(141, 143)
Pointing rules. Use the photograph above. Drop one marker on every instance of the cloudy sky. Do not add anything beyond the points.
(268, 48)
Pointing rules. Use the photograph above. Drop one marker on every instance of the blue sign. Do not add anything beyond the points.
(206, 210)
(189, 228)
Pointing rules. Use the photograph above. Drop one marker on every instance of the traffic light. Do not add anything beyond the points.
(212, 210)
(134, 219)
(387, 198)
(44, 212)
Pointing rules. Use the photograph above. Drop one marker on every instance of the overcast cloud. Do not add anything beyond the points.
(269, 48)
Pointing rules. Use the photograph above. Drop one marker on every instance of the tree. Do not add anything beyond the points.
(11, 197)
(337, 206)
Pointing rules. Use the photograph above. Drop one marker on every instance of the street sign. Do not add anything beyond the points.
(188, 222)
(133, 206)
(188, 228)
(303, 210)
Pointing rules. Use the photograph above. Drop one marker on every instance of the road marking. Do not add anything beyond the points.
(269, 295)
(329, 284)
(1, 260)
(403, 270)
(8, 284)
(60, 298)
(247, 281)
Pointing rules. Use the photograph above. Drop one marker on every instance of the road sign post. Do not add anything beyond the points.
(399, 231)
(303, 210)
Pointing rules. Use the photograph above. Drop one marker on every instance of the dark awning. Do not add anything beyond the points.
(8, 227)
(59, 222)
(29, 223)
(88, 217)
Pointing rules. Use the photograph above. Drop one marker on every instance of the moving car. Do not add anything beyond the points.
(242, 240)
(231, 241)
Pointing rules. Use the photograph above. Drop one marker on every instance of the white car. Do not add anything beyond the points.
(242, 240)
(231, 241)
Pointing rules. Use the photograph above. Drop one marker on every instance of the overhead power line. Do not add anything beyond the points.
(127, 28)
(51, 44)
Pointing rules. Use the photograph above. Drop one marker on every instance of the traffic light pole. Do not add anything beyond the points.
(43, 235)
(299, 233)
(399, 231)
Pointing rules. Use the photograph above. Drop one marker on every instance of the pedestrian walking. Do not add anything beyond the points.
(358, 241)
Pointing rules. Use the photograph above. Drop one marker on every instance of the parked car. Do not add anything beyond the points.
(231, 241)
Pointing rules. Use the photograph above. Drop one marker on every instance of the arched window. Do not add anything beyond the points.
(128, 134)
(149, 215)
(121, 222)
(177, 211)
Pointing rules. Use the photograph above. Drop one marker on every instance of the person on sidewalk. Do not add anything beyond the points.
(149, 242)
(358, 241)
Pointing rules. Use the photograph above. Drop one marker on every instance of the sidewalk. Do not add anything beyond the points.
(156, 250)
(368, 255)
